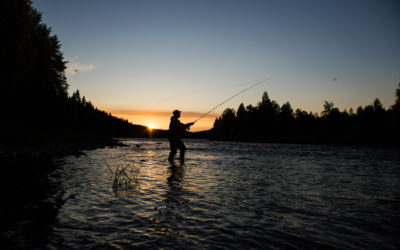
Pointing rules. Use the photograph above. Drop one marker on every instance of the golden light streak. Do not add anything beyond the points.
(159, 119)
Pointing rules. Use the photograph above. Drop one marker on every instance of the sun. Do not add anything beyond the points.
(150, 126)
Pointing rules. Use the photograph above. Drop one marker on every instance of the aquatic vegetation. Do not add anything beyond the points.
(125, 179)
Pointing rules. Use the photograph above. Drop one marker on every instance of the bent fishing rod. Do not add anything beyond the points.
(230, 98)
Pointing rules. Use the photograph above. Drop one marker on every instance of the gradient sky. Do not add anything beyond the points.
(142, 59)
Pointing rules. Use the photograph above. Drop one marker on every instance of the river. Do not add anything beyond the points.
(228, 195)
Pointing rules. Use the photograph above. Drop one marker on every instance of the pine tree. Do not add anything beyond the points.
(33, 78)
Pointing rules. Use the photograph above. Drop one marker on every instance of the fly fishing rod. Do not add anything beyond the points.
(253, 85)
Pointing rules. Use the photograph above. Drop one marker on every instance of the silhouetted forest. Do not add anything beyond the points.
(36, 102)
(369, 125)
(35, 98)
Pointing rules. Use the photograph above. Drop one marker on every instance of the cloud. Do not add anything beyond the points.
(75, 67)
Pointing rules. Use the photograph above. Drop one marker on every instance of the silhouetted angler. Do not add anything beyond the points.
(176, 131)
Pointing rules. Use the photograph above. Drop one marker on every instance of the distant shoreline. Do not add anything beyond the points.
(312, 139)
(50, 144)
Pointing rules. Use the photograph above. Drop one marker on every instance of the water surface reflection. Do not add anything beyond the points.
(229, 195)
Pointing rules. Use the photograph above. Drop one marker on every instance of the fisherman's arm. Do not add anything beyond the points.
(188, 125)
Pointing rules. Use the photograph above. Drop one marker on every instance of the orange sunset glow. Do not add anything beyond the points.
(159, 119)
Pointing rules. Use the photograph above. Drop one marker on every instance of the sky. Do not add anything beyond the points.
(140, 60)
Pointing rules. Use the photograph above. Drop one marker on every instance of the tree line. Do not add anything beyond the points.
(270, 122)
(35, 99)
(33, 83)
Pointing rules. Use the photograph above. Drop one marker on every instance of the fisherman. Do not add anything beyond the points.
(176, 131)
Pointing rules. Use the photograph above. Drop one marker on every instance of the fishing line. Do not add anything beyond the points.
(253, 85)
(197, 91)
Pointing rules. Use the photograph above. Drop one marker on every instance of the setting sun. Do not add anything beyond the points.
(150, 126)
(159, 119)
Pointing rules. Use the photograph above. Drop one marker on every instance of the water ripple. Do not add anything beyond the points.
(231, 195)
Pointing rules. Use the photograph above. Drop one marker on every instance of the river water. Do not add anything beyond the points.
(229, 195)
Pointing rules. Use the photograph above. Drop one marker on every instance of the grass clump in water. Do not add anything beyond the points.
(125, 179)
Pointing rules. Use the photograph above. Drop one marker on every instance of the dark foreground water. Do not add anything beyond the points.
(228, 195)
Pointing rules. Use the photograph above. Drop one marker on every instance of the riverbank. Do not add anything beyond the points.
(318, 140)
(50, 143)
(31, 198)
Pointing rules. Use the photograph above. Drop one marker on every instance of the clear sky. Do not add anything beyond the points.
(142, 59)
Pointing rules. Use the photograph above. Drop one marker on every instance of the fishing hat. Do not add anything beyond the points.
(176, 112)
